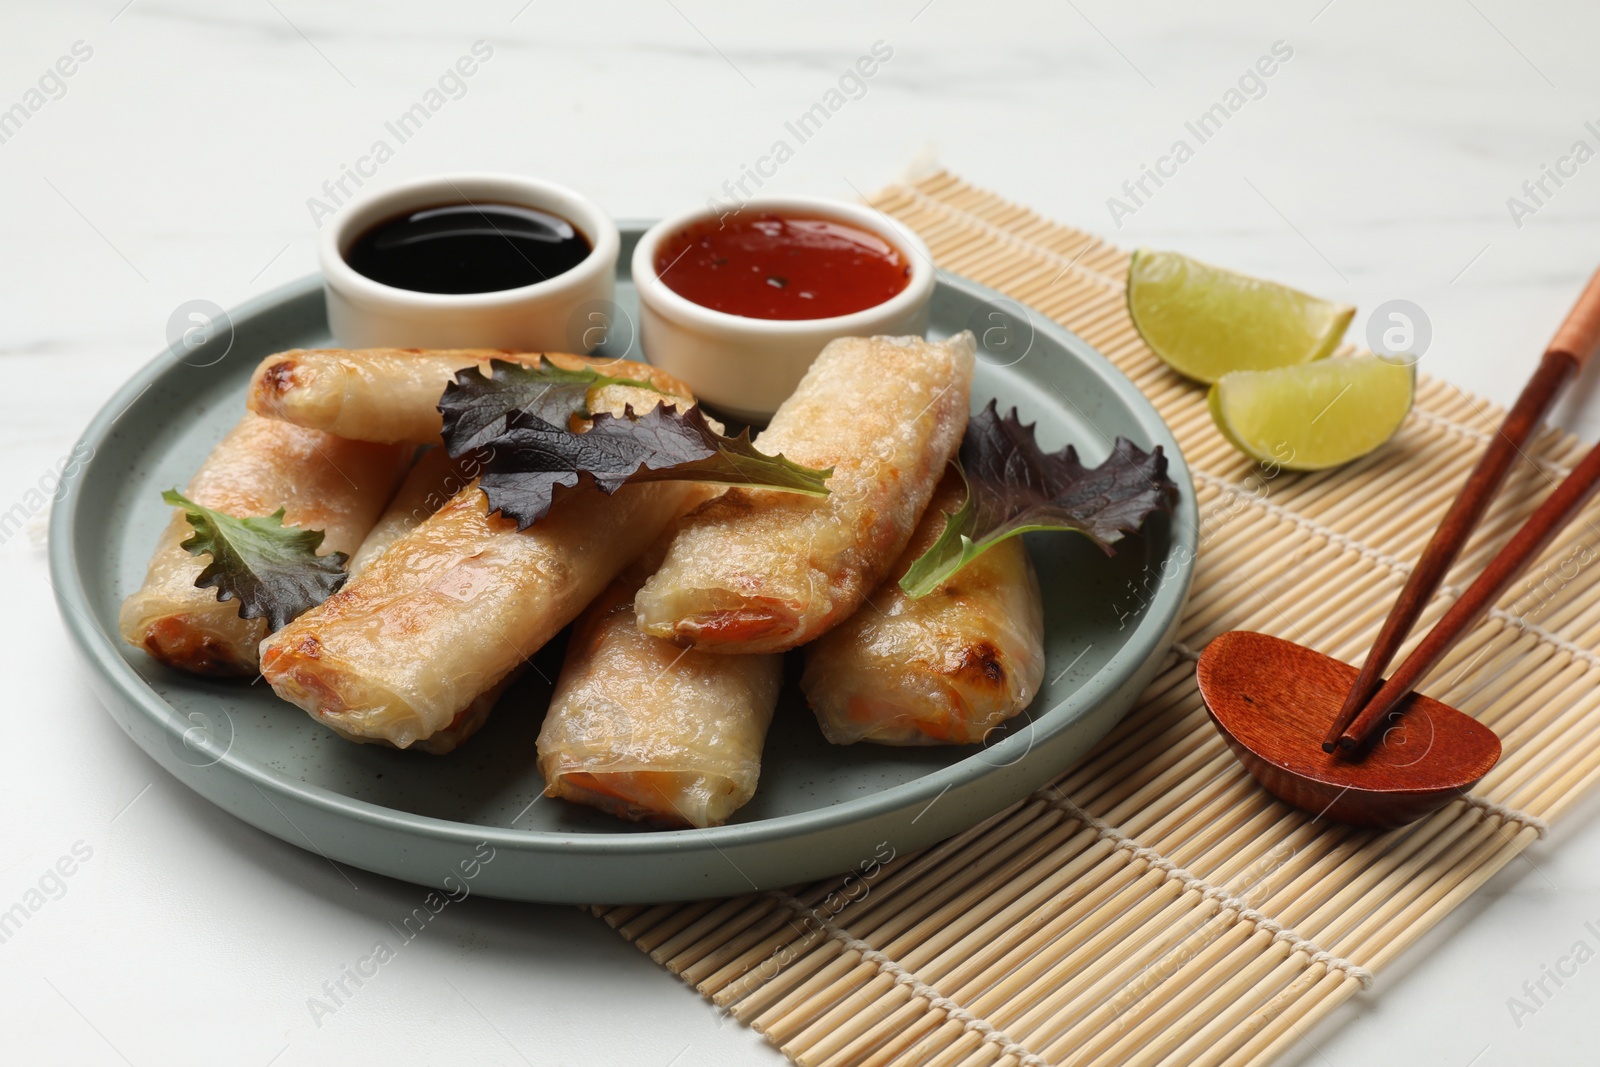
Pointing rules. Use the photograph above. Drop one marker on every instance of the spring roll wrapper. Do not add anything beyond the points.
(945, 668)
(764, 571)
(451, 608)
(323, 482)
(433, 480)
(646, 730)
(392, 394)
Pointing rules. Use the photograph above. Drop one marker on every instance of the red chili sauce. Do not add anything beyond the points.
(778, 267)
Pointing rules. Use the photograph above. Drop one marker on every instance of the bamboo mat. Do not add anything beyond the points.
(1153, 905)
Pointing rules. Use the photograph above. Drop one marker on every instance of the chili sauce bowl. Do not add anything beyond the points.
(547, 315)
(746, 366)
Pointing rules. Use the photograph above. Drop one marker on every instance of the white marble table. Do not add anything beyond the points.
(177, 160)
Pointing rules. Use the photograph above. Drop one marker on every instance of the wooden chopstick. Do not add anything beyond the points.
(1524, 547)
(1562, 361)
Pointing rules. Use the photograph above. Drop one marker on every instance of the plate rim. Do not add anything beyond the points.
(102, 649)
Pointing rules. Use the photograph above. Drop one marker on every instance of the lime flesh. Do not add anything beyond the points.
(1205, 321)
(1316, 415)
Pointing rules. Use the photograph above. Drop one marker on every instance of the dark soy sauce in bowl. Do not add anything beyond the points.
(468, 248)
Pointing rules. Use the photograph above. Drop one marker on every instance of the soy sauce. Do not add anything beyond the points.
(468, 248)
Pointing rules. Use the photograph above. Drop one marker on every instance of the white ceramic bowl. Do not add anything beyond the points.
(548, 316)
(746, 366)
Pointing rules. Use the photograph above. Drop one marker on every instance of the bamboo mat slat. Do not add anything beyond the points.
(1152, 905)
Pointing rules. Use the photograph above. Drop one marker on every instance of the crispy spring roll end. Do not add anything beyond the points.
(943, 669)
(185, 628)
(647, 732)
(466, 723)
(934, 708)
(344, 700)
(284, 387)
(642, 796)
(743, 622)
(206, 643)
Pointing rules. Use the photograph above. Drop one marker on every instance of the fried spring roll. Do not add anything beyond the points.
(452, 607)
(762, 571)
(945, 668)
(392, 394)
(323, 482)
(648, 731)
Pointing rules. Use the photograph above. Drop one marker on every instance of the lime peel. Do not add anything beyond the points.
(1204, 321)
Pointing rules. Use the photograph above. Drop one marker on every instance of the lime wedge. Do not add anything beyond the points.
(1205, 321)
(1316, 415)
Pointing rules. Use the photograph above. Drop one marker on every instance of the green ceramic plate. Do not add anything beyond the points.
(820, 809)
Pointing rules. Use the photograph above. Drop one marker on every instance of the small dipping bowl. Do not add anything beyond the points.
(748, 366)
(546, 316)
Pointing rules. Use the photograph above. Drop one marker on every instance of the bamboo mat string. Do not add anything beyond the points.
(1554, 471)
(1400, 567)
(1505, 813)
(1153, 905)
(971, 1023)
(1327, 533)
(1208, 891)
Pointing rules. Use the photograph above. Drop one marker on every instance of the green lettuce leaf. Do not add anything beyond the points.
(272, 570)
